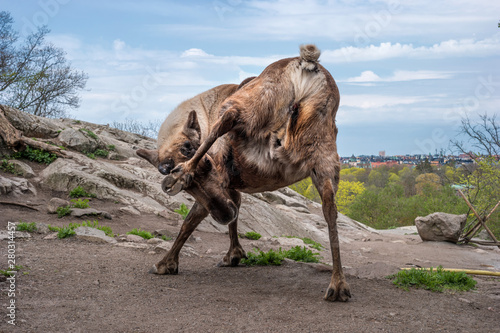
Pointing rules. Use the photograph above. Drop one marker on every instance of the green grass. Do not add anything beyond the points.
(101, 153)
(144, 234)
(79, 192)
(437, 279)
(63, 211)
(9, 167)
(182, 210)
(10, 272)
(63, 232)
(309, 241)
(165, 238)
(89, 133)
(303, 254)
(253, 235)
(24, 226)
(261, 258)
(36, 155)
(275, 258)
(80, 203)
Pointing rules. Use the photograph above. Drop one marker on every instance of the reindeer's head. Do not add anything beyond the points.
(179, 146)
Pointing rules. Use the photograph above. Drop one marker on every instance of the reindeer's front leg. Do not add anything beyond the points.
(183, 174)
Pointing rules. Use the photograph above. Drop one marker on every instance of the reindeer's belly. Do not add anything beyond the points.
(262, 165)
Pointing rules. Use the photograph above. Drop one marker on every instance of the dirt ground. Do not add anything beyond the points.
(72, 285)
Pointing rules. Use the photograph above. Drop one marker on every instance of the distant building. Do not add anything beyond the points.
(381, 153)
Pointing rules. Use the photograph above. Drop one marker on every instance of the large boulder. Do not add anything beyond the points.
(78, 140)
(440, 227)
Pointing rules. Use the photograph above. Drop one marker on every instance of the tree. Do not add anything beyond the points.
(483, 136)
(347, 192)
(424, 167)
(34, 75)
(426, 182)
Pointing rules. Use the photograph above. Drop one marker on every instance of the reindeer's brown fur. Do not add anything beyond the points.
(270, 132)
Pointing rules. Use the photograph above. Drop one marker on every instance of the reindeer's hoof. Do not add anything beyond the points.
(153, 270)
(340, 293)
(164, 270)
(177, 181)
(232, 260)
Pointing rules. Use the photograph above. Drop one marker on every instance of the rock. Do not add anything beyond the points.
(51, 236)
(42, 228)
(163, 246)
(135, 239)
(93, 235)
(31, 125)
(22, 169)
(77, 140)
(79, 212)
(15, 186)
(154, 241)
(4, 234)
(130, 210)
(440, 227)
(55, 203)
(133, 245)
(287, 242)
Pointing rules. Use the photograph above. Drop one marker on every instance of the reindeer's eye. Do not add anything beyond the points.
(187, 149)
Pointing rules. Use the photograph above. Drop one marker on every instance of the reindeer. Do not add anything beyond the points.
(269, 132)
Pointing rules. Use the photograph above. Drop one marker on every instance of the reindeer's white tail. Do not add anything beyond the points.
(309, 54)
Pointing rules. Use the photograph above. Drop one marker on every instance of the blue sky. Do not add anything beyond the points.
(407, 71)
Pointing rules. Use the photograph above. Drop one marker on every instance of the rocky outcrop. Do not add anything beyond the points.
(126, 179)
(440, 227)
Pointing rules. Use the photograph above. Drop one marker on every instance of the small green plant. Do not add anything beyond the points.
(303, 254)
(80, 203)
(63, 211)
(36, 155)
(261, 258)
(144, 234)
(53, 229)
(93, 224)
(165, 238)
(253, 235)
(11, 272)
(272, 257)
(309, 241)
(313, 244)
(70, 229)
(111, 147)
(182, 210)
(24, 226)
(65, 232)
(9, 167)
(79, 192)
(89, 133)
(434, 279)
(101, 153)
(91, 156)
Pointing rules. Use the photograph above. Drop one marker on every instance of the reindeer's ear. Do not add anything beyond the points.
(192, 125)
(150, 155)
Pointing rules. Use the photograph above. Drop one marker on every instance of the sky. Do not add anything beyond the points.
(407, 71)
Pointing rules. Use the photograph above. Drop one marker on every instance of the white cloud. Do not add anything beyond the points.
(118, 45)
(399, 76)
(446, 49)
(366, 101)
(195, 53)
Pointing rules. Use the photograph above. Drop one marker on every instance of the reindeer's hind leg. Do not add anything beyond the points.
(236, 252)
(170, 263)
(327, 184)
